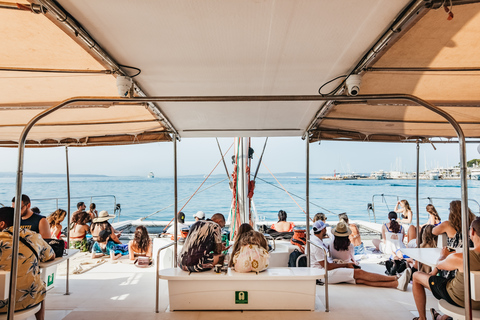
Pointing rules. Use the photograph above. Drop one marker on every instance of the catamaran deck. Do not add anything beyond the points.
(122, 291)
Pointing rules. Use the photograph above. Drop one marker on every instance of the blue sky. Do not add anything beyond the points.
(200, 155)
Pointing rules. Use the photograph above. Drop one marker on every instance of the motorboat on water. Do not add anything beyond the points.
(151, 175)
(187, 69)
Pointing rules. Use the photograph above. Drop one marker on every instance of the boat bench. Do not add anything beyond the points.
(272, 289)
(458, 312)
(4, 291)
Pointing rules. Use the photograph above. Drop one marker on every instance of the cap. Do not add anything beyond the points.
(318, 226)
(181, 216)
(200, 215)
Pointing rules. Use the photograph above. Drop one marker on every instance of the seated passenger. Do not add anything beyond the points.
(105, 246)
(30, 287)
(31, 220)
(141, 245)
(403, 207)
(345, 272)
(244, 228)
(354, 237)
(392, 236)
(54, 220)
(101, 223)
(433, 219)
(342, 249)
(79, 230)
(451, 290)
(200, 215)
(253, 254)
(282, 225)
(203, 246)
(180, 224)
(92, 211)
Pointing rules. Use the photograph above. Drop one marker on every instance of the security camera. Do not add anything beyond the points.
(353, 84)
(123, 85)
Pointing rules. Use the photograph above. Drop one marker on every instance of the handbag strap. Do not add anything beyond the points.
(25, 242)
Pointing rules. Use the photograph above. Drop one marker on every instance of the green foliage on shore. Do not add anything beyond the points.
(473, 162)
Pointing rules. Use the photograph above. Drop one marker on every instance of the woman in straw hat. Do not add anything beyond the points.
(101, 223)
(342, 249)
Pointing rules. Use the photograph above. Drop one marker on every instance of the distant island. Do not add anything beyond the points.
(55, 175)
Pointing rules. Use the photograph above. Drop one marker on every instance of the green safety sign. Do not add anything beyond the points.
(50, 279)
(241, 297)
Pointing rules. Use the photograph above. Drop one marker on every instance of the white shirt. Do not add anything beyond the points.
(317, 254)
(171, 230)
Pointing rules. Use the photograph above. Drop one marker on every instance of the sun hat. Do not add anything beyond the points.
(342, 230)
(318, 226)
(200, 215)
(103, 216)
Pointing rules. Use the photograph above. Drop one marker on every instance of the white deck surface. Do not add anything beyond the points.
(122, 291)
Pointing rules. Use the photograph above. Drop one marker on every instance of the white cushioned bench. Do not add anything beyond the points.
(457, 312)
(272, 289)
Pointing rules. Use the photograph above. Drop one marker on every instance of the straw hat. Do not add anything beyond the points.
(342, 230)
(103, 216)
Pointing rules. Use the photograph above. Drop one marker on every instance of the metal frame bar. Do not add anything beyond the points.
(175, 195)
(450, 119)
(68, 219)
(157, 269)
(307, 192)
(417, 187)
(325, 267)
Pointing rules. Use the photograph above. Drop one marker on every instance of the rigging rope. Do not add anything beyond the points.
(284, 188)
(208, 176)
(141, 219)
(324, 209)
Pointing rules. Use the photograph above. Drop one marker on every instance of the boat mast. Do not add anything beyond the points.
(240, 202)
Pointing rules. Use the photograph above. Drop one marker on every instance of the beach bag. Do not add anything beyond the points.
(251, 258)
(395, 266)
(292, 259)
(299, 239)
(58, 246)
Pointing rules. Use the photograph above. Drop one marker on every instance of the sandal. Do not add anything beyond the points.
(434, 313)
(416, 318)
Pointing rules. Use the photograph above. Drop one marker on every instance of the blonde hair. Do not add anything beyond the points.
(406, 205)
(253, 238)
(56, 217)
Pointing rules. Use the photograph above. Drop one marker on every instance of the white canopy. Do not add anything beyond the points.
(233, 48)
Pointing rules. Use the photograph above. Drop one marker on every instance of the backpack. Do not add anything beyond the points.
(292, 259)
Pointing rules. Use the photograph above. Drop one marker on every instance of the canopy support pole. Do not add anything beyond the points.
(429, 106)
(417, 186)
(67, 292)
(175, 191)
(307, 191)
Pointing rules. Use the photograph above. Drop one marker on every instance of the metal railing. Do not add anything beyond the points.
(116, 207)
(157, 279)
(371, 206)
(325, 267)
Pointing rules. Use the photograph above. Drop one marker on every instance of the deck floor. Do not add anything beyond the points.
(122, 291)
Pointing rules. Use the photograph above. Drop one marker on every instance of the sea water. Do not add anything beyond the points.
(141, 196)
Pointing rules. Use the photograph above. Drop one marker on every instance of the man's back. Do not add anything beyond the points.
(199, 244)
(30, 287)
